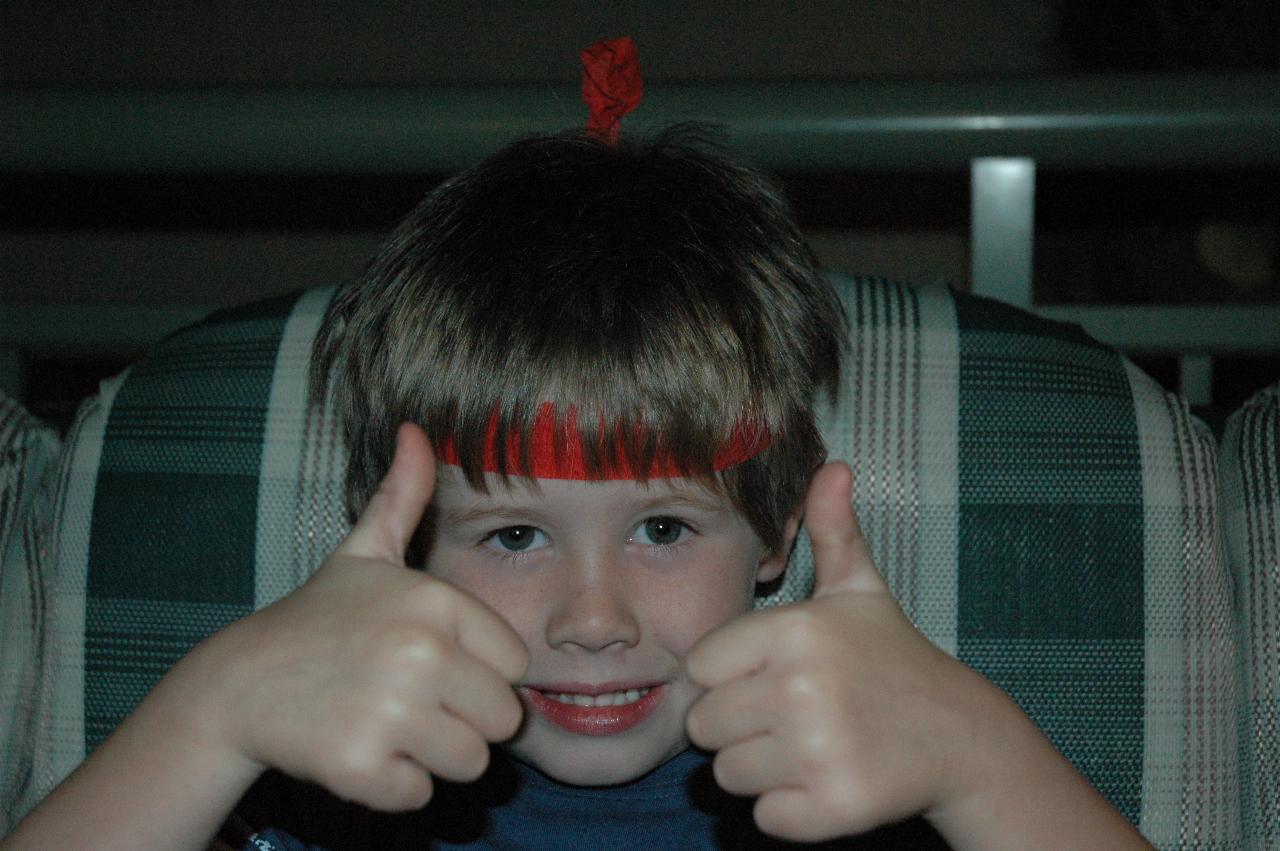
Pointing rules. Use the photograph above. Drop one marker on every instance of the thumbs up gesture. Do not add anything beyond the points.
(836, 712)
(370, 678)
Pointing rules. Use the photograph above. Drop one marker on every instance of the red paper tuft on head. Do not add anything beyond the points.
(611, 84)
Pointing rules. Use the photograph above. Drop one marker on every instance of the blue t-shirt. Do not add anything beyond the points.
(677, 806)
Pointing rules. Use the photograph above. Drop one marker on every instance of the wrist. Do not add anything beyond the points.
(164, 779)
(988, 767)
(195, 707)
(1015, 790)
(983, 729)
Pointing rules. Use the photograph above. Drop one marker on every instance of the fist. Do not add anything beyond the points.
(836, 712)
(372, 677)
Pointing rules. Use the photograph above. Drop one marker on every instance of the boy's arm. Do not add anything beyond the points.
(841, 717)
(159, 781)
(1030, 796)
(368, 679)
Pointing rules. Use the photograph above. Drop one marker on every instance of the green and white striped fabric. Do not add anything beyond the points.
(28, 456)
(1251, 521)
(1041, 508)
(28, 452)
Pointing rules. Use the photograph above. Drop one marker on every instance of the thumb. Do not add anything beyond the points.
(389, 520)
(841, 559)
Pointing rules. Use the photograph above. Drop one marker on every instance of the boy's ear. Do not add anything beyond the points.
(773, 563)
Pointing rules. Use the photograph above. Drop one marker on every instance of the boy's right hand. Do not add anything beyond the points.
(371, 677)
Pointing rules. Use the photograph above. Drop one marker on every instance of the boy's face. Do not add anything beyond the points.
(609, 584)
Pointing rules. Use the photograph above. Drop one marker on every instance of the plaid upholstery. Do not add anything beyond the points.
(28, 448)
(28, 454)
(1251, 519)
(186, 432)
(1041, 508)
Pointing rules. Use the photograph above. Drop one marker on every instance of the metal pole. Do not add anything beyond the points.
(1003, 221)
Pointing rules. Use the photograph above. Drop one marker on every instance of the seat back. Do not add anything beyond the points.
(1040, 507)
(1251, 522)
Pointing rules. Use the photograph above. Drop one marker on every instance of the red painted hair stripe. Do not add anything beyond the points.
(559, 453)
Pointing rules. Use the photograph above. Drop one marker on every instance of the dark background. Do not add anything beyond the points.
(215, 239)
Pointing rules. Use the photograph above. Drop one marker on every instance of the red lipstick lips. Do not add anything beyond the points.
(592, 720)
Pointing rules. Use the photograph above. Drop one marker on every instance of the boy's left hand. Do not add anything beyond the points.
(837, 712)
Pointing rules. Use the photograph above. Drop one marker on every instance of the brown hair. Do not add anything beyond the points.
(662, 289)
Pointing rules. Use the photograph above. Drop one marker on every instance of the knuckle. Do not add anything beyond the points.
(510, 717)
(851, 796)
(774, 819)
(362, 772)
(471, 758)
(819, 749)
(801, 691)
(839, 791)
(695, 664)
(794, 817)
(521, 660)
(410, 647)
(802, 631)
(405, 788)
(435, 598)
(726, 773)
(416, 794)
(373, 718)
(389, 714)
(694, 725)
(354, 771)
(511, 663)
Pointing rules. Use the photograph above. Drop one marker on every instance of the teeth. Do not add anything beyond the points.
(615, 698)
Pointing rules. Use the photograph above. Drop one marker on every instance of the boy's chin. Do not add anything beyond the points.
(596, 762)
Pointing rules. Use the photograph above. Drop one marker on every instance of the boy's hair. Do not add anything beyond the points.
(658, 295)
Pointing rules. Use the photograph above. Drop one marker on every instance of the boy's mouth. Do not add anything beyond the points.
(613, 698)
(589, 711)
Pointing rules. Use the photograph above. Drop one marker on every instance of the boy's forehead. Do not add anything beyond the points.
(452, 487)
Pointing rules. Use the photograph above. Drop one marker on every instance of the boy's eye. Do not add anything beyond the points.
(661, 531)
(518, 539)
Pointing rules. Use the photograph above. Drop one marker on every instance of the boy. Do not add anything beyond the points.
(598, 367)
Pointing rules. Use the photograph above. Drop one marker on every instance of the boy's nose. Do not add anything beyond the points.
(594, 613)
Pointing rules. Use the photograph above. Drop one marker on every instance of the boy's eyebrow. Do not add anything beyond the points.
(476, 512)
(482, 511)
(695, 500)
